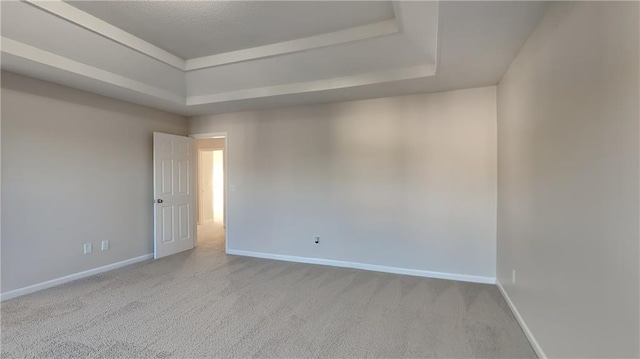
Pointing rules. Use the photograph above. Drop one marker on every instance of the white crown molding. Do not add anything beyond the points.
(40, 56)
(364, 32)
(319, 85)
(102, 28)
(34, 54)
(436, 55)
(397, 12)
(51, 60)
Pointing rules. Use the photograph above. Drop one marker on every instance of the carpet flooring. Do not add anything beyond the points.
(204, 303)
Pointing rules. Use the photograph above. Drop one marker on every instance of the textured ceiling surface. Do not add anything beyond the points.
(191, 29)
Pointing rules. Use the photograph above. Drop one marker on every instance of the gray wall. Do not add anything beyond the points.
(76, 168)
(568, 180)
(407, 182)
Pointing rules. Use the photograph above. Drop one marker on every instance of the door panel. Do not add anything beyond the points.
(183, 229)
(167, 223)
(183, 177)
(174, 186)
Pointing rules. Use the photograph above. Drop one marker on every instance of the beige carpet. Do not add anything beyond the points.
(203, 303)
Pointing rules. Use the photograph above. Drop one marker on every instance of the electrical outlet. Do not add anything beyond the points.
(513, 276)
(87, 248)
(104, 245)
(317, 239)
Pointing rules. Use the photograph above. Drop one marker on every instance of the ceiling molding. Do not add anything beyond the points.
(34, 54)
(437, 51)
(277, 76)
(315, 86)
(92, 23)
(102, 28)
(364, 32)
(397, 12)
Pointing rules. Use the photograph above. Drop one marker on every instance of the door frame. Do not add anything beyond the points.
(199, 136)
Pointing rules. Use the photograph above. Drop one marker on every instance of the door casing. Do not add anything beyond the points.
(227, 199)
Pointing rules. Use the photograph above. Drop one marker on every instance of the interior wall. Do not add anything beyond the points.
(209, 144)
(205, 183)
(405, 182)
(218, 186)
(568, 155)
(76, 168)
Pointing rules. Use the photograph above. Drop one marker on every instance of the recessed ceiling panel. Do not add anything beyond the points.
(440, 46)
(73, 42)
(191, 29)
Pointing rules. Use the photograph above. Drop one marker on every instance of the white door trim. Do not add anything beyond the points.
(227, 200)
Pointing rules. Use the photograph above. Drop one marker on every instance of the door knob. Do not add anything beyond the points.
(159, 201)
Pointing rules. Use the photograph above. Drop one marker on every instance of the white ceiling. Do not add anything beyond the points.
(204, 28)
(263, 54)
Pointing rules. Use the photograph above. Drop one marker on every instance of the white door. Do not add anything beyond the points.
(174, 191)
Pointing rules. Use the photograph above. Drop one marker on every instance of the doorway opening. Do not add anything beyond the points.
(211, 192)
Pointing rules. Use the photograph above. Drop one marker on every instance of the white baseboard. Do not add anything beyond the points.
(370, 267)
(534, 343)
(54, 282)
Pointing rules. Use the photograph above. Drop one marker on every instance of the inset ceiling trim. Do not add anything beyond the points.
(364, 32)
(40, 56)
(422, 29)
(102, 28)
(36, 55)
(92, 23)
(315, 86)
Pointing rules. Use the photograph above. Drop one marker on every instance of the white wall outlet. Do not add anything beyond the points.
(232, 188)
(317, 239)
(104, 245)
(513, 276)
(87, 248)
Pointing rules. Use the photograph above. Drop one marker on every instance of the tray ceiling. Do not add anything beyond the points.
(209, 57)
(204, 28)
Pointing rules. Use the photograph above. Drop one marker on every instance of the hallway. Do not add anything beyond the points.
(211, 236)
